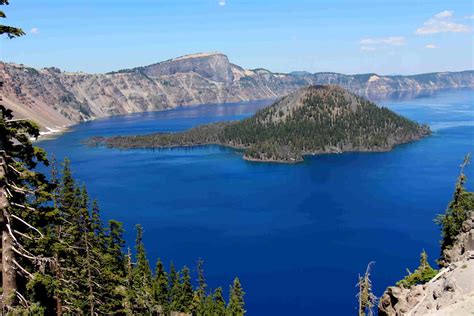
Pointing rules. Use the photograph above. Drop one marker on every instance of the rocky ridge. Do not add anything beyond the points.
(55, 98)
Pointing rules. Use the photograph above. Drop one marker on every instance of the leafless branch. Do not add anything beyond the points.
(23, 235)
(20, 190)
(23, 255)
(32, 227)
(23, 206)
(16, 120)
(13, 168)
(8, 192)
(22, 299)
(11, 233)
(23, 269)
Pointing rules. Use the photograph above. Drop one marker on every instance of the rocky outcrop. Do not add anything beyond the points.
(450, 292)
(55, 98)
(211, 66)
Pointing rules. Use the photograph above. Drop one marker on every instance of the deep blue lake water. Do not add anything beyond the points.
(296, 235)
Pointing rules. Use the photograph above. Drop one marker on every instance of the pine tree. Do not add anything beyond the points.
(186, 293)
(57, 233)
(199, 300)
(452, 220)
(160, 285)
(208, 306)
(92, 261)
(129, 293)
(367, 299)
(196, 305)
(175, 289)
(96, 225)
(142, 278)
(9, 31)
(69, 246)
(115, 291)
(23, 213)
(236, 299)
(218, 306)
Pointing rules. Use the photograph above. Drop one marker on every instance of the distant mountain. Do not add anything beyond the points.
(55, 98)
(299, 73)
(312, 120)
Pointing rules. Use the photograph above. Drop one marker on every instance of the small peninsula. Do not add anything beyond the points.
(317, 119)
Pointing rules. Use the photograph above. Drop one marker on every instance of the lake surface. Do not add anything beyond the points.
(296, 235)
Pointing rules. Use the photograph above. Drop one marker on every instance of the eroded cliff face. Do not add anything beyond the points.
(451, 292)
(54, 98)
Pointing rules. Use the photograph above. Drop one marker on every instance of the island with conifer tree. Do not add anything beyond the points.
(313, 120)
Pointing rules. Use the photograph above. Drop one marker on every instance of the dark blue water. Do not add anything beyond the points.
(296, 235)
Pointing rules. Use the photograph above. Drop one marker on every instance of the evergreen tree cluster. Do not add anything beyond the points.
(456, 213)
(79, 266)
(317, 119)
(325, 119)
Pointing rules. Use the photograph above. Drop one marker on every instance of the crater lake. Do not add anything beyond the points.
(298, 235)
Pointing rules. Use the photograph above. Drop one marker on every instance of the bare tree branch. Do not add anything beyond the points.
(23, 206)
(13, 168)
(11, 233)
(20, 190)
(22, 299)
(24, 235)
(24, 255)
(32, 227)
(23, 270)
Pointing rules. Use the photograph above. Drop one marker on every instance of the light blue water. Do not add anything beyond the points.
(296, 235)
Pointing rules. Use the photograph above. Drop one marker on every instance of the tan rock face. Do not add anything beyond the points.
(54, 98)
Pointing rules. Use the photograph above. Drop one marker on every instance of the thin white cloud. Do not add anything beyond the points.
(430, 46)
(444, 14)
(390, 41)
(34, 30)
(442, 23)
(374, 43)
(222, 3)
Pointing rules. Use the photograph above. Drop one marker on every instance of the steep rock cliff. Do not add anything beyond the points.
(55, 98)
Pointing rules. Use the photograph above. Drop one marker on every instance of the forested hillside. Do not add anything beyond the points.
(313, 120)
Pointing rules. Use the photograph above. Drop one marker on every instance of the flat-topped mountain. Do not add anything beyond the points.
(313, 120)
(212, 66)
(56, 98)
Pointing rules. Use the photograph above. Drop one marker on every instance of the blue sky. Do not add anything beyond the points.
(382, 36)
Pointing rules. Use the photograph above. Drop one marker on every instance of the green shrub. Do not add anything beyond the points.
(421, 275)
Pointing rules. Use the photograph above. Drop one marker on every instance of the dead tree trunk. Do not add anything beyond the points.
(8, 268)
